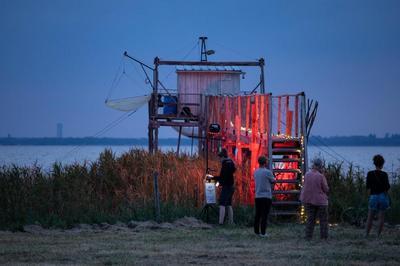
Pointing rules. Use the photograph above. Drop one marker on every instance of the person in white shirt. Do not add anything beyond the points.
(264, 180)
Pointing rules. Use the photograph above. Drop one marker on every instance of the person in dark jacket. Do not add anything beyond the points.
(226, 180)
(378, 187)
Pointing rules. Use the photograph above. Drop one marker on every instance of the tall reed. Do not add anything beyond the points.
(347, 189)
(121, 188)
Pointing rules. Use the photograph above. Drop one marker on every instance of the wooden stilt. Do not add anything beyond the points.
(262, 112)
(289, 116)
(238, 124)
(248, 114)
(296, 116)
(179, 141)
(289, 119)
(279, 113)
(156, 139)
(270, 110)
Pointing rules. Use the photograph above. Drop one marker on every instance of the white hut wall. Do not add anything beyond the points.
(193, 84)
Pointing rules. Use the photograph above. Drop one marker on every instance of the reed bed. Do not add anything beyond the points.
(108, 189)
(121, 188)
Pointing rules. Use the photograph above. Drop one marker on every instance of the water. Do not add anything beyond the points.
(45, 156)
(359, 156)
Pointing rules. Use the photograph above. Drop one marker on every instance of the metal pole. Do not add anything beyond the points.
(156, 139)
(137, 61)
(150, 127)
(279, 113)
(303, 132)
(262, 80)
(155, 104)
(296, 116)
(204, 144)
(156, 197)
(206, 153)
(203, 55)
(179, 141)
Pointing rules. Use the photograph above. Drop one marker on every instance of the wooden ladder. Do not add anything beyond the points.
(287, 167)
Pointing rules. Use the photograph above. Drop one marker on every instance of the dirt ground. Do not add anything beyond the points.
(196, 243)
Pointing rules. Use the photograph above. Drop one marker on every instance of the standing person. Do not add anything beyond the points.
(377, 187)
(314, 196)
(226, 180)
(263, 179)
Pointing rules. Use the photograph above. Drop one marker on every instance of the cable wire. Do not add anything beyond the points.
(233, 51)
(101, 132)
(112, 86)
(342, 158)
(187, 54)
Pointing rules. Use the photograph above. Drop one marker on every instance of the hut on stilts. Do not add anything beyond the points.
(250, 123)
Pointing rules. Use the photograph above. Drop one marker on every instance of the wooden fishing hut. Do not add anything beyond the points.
(252, 123)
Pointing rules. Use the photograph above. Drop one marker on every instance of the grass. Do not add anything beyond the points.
(220, 245)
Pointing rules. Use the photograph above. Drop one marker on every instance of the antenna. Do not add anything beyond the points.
(204, 51)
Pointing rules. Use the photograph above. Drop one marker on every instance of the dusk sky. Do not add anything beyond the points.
(59, 58)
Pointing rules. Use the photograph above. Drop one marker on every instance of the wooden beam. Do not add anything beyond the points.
(262, 78)
(279, 113)
(176, 124)
(179, 141)
(208, 63)
(296, 116)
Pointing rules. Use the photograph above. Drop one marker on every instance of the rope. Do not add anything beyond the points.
(338, 154)
(113, 85)
(134, 80)
(233, 51)
(183, 48)
(145, 76)
(121, 72)
(187, 54)
(101, 132)
(322, 149)
(342, 158)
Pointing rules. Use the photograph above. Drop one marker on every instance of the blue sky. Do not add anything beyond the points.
(58, 58)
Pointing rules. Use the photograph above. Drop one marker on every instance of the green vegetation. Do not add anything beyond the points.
(348, 190)
(121, 188)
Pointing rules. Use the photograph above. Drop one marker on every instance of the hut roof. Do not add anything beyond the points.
(224, 69)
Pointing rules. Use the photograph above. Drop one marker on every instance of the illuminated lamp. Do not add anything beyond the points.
(286, 144)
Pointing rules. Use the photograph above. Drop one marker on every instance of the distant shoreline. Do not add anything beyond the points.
(370, 140)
